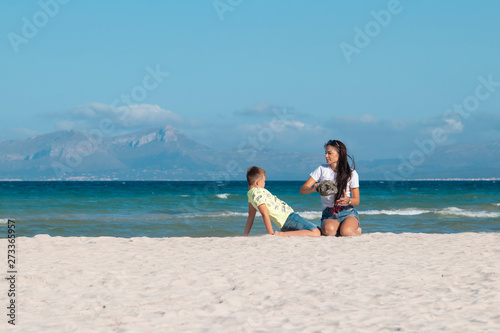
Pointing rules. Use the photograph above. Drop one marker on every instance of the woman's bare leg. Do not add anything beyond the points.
(350, 227)
(329, 227)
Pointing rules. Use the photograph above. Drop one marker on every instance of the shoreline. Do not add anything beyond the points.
(253, 235)
(379, 281)
(77, 179)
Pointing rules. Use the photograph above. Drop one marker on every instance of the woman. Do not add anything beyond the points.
(339, 216)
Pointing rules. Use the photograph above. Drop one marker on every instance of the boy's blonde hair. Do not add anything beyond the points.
(254, 173)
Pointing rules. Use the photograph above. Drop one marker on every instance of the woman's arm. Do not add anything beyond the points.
(355, 199)
(310, 186)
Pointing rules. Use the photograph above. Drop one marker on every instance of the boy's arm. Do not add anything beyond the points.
(251, 216)
(267, 220)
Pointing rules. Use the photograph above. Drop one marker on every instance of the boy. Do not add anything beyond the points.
(273, 209)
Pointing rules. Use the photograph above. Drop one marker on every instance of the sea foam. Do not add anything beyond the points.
(450, 211)
(217, 214)
(310, 215)
(403, 211)
(468, 213)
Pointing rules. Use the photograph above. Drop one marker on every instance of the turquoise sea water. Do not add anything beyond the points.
(195, 209)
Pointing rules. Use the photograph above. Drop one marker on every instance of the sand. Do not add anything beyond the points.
(373, 283)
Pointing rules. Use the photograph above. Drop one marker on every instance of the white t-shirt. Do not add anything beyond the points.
(324, 172)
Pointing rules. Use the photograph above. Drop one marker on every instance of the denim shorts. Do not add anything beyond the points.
(340, 216)
(297, 222)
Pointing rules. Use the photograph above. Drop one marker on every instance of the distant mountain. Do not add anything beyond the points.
(167, 154)
(155, 154)
(451, 161)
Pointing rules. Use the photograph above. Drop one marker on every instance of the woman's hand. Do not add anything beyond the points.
(345, 200)
(354, 200)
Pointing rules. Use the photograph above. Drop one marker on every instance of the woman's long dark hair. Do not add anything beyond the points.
(344, 171)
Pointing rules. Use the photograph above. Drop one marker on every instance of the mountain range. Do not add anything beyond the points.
(167, 154)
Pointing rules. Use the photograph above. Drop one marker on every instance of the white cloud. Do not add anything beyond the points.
(87, 111)
(401, 124)
(278, 128)
(130, 118)
(65, 125)
(369, 119)
(264, 109)
(261, 108)
(146, 114)
(295, 124)
(353, 119)
(17, 134)
(453, 126)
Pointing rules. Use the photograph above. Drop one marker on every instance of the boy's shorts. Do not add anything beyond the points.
(297, 222)
(340, 216)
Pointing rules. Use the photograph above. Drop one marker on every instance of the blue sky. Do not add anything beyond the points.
(378, 75)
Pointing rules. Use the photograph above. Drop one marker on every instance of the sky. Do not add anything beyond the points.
(385, 77)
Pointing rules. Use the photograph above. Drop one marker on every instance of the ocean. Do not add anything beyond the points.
(219, 209)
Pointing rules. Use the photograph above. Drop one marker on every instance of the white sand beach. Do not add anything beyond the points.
(373, 283)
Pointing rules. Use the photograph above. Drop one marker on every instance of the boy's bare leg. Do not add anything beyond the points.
(311, 233)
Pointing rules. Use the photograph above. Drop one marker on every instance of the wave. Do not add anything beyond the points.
(4, 221)
(217, 214)
(403, 211)
(468, 213)
(222, 196)
(316, 215)
(228, 214)
(310, 215)
(449, 211)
